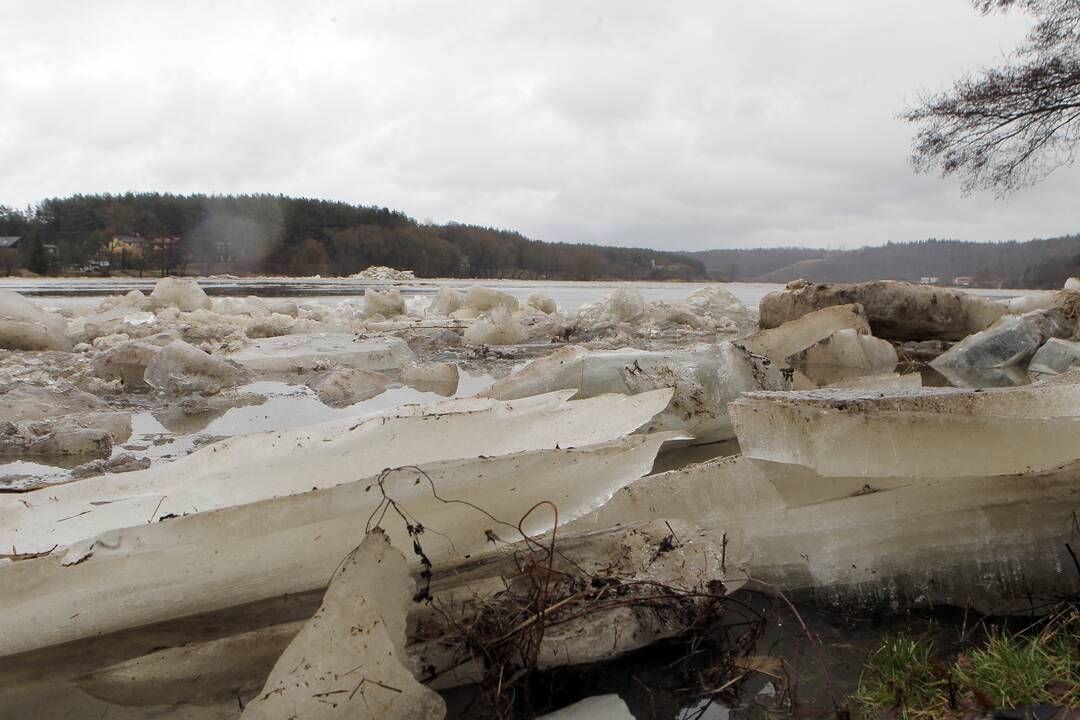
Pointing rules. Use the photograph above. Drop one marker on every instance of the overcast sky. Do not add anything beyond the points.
(677, 125)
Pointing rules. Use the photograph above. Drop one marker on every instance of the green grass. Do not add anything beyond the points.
(906, 677)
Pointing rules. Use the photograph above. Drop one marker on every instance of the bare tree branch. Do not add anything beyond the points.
(1009, 127)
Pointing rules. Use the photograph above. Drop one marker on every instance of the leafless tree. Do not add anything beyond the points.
(1009, 126)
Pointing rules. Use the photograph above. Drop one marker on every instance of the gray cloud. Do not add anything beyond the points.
(688, 125)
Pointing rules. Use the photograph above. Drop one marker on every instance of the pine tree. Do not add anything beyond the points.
(39, 258)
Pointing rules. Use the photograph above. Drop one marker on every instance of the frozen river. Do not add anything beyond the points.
(165, 435)
(81, 292)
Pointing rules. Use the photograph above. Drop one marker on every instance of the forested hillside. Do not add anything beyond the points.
(1042, 263)
(165, 233)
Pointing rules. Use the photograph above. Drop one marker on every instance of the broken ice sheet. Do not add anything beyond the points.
(873, 543)
(930, 432)
(223, 558)
(347, 660)
(705, 379)
(304, 354)
(247, 468)
(219, 657)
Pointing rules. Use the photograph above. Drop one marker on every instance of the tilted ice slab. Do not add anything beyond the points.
(183, 566)
(928, 433)
(322, 351)
(705, 380)
(247, 468)
(1054, 357)
(780, 343)
(1010, 341)
(357, 638)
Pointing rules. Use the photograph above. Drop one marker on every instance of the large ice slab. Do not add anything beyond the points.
(182, 566)
(705, 379)
(928, 433)
(248, 468)
(219, 657)
(301, 354)
(896, 310)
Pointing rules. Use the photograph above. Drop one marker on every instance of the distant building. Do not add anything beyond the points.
(930, 280)
(9, 252)
(963, 281)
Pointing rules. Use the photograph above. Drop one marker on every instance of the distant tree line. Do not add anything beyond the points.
(1042, 263)
(274, 234)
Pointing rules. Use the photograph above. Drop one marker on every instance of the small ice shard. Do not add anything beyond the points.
(1010, 341)
(542, 302)
(704, 379)
(181, 293)
(1055, 356)
(182, 369)
(483, 299)
(318, 456)
(781, 343)
(447, 300)
(926, 433)
(347, 661)
(212, 560)
(441, 378)
(896, 310)
(345, 386)
(25, 326)
(599, 707)
(496, 327)
(305, 354)
(127, 361)
(388, 304)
